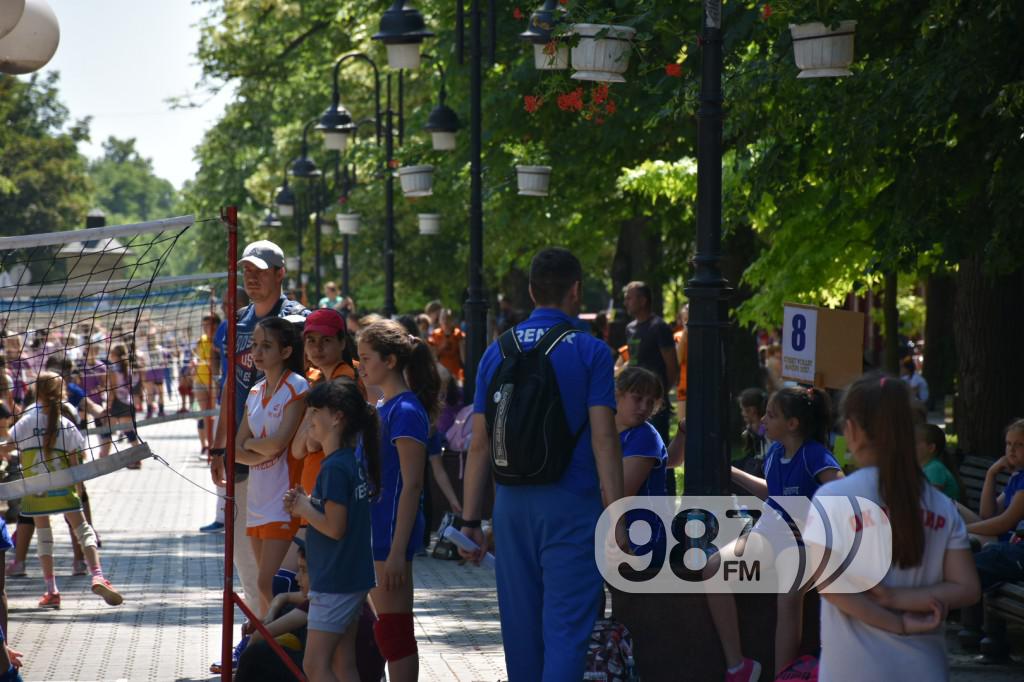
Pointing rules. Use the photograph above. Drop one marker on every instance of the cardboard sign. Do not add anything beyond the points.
(822, 346)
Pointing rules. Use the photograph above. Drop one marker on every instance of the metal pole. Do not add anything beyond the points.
(344, 273)
(476, 305)
(706, 406)
(389, 198)
(320, 198)
(230, 218)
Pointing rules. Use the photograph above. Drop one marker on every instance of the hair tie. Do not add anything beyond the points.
(413, 339)
(882, 382)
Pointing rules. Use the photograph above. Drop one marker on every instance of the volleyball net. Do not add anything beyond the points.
(131, 346)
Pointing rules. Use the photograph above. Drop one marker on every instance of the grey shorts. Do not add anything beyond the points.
(333, 611)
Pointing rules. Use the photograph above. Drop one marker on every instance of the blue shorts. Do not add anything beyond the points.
(334, 611)
(382, 524)
(998, 563)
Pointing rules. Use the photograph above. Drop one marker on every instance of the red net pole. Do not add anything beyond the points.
(230, 218)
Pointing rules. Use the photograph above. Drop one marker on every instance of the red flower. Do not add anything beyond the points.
(599, 121)
(532, 103)
(343, 200)
(550, 48)
(517, 14)
(766, 11)
(571, 101)
(674, 70)
(600, 93)
(563, 2)
(610, 107)
(394, 163)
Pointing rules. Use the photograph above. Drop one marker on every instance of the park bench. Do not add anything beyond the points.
(1005, 603)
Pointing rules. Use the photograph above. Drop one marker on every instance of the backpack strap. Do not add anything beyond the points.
(553, 335)
(509, 344)
(547, 344)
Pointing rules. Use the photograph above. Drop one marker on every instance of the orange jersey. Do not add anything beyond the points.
(447, 347)
(310, 465)
(681, 354)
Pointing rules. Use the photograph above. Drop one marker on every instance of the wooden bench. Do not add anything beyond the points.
(1005, 603)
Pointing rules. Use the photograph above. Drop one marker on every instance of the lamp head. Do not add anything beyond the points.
(442, 124)
(402, 29)
(337, 126)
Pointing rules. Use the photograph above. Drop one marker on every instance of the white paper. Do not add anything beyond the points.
(799, 343)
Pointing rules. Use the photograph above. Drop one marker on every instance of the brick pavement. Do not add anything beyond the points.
(169, 625)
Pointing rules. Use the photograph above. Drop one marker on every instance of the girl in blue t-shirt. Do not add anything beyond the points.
(338, 551)
(797, 421)
(638, 394)
(402, 368)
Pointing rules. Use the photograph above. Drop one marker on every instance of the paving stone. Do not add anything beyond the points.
(170, 575)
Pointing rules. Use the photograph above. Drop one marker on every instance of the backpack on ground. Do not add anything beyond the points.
(610, 653)
(531, 440)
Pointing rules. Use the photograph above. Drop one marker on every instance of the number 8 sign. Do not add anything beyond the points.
(799, 343)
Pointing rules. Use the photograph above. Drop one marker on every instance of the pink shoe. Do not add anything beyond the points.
(750, 671)
(103, 588)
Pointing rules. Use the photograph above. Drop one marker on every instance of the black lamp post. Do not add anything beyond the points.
(706, 408)
(304, 167)
(385, 126)
(286, 204)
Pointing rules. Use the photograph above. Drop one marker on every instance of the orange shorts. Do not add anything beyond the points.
(274, 531)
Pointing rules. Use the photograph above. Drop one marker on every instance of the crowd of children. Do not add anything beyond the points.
(341, 430)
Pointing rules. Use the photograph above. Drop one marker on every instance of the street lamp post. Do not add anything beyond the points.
(707, 404)
(336, 124)
(303, 167)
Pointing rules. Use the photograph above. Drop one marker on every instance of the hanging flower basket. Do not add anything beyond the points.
(348, 223)
(430, 223)
(339, 261)
(417, 181)
(602, 53)
(533, 180)
(822, 52)
(291, 263)
(326, 228)
(550, 56)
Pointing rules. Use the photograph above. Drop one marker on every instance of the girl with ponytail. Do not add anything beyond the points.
(402, 369)
(338, 551)
(798, 461)
(48, 441)
(932, 569)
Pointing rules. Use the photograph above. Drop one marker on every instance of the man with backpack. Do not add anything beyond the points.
(543, 423)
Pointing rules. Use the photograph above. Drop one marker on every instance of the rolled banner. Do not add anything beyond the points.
(462, 542)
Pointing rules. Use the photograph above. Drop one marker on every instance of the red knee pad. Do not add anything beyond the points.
(394, 635)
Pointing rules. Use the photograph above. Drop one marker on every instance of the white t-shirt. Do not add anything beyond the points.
(268, 481)
(851, 650)
(30, 432)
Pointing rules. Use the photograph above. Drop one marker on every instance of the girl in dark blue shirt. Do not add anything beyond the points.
(402, 368)
(797, 421)
(338, 550)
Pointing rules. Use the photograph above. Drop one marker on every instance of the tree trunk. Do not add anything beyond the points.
(892, 323)
(637, 257)
(988, 329)
(741, 248)
(939, 348)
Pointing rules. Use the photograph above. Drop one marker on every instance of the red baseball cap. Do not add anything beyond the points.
(326, 321)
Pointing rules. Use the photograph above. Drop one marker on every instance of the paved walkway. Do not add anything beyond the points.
(169, 626)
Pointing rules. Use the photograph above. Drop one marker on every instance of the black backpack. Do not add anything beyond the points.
(531, 441)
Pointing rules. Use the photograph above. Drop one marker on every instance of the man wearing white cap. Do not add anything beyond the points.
(263, 272)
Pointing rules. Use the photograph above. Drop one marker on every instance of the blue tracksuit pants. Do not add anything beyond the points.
(549, 588)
